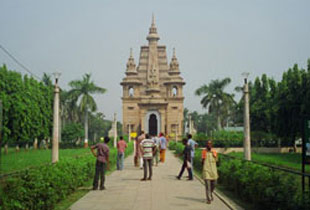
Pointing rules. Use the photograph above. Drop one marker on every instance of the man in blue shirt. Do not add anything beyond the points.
(193, 144)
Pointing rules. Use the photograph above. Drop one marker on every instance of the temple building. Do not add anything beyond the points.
(153, 91)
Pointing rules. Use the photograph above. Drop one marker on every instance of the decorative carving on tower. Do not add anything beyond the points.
(174, 64)
(131, 65)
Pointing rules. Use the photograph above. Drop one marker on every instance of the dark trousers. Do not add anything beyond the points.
(147, 163)
(100, 167)
(189, 170)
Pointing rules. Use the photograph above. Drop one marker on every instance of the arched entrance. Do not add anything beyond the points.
(152, 122)
(153, 125)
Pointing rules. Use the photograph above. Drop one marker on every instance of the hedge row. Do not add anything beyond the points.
(235, 139)
(42, 188)
(256, 184)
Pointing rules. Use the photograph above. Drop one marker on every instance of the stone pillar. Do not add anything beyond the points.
(115, 130)
(247, 137)
(55, 148)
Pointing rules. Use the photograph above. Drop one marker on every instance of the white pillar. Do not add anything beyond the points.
(55, 155)
(129, 132)
(247, 137)
(115, 130)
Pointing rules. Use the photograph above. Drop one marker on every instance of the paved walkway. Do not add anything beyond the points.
(125, 191)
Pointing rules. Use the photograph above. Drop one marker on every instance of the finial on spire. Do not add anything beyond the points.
(153, 36)
(174, 53)
(131, 52)
(153, 19)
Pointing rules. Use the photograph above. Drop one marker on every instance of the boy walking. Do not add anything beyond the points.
(148, 148)
(209, 170)
(121, 146)
(186, 161)
(101, 163)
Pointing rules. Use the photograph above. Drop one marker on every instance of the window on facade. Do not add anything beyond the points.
(130, 107)
(174, 91)
(131, 91)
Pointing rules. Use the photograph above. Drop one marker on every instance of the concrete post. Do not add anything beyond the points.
(129, 132)
(55, 146)
(247, 136)
(115, 130)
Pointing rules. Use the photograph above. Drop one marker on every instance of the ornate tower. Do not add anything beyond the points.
(152, 91)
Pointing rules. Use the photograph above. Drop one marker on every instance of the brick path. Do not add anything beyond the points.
(125, 191)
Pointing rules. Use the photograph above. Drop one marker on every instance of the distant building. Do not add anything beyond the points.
(153, 91)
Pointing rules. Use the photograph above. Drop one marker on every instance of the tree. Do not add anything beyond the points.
(215, 99)
(81, 91)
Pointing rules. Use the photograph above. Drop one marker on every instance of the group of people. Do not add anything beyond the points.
(208, 160)
(148, 148)
(151, 150)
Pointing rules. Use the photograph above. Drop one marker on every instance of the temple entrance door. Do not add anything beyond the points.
(153, 125)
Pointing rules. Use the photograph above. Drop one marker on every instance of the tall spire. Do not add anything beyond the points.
(174, 64)
(153, 36)
(131, 66)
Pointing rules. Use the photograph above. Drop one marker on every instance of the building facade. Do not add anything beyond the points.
(153, 91)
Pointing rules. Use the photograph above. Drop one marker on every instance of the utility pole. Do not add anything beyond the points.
(129, 132)
(115, 130)
(55, 148)
(247, 136)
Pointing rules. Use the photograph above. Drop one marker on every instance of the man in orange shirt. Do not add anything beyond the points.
(209, 170)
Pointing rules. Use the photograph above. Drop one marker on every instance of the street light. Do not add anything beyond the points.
(55, 153)
(247, 136)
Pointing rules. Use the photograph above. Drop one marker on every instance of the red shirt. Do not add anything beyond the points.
(121, 146)
(102, 152)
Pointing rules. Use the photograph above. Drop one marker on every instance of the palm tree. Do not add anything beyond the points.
(215, 99)
(81, 91)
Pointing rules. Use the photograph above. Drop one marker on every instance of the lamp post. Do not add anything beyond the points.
(55, 153)
(115, 130)
(129, 131)
(246, 122)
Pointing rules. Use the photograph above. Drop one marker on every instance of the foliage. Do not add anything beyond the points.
(43, 187)
(286, 160)
(264, 187)
(34, 158)
(81, 91)
(27, 108)
(216, 100)
(71, 132)
(221, 139)
(279, 107)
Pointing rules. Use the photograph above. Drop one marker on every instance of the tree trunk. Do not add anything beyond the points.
(95, 136)
(86, 129)
(219, 127)
(17, 148)
(6, 148)
(35, 143)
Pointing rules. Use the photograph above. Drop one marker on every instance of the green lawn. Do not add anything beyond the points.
(286, 160)
(21, 160)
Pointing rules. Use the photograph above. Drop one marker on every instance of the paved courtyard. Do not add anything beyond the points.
(125, 191)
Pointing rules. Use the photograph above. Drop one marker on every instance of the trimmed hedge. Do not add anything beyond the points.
(42, 188)
(253, 183)
(235, 139)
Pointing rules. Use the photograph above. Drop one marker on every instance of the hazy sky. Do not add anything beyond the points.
(213, 39)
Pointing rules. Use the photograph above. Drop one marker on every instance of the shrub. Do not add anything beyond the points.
(260, 185)
(42, 188)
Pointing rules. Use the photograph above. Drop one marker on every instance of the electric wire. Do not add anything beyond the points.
(19, 63)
